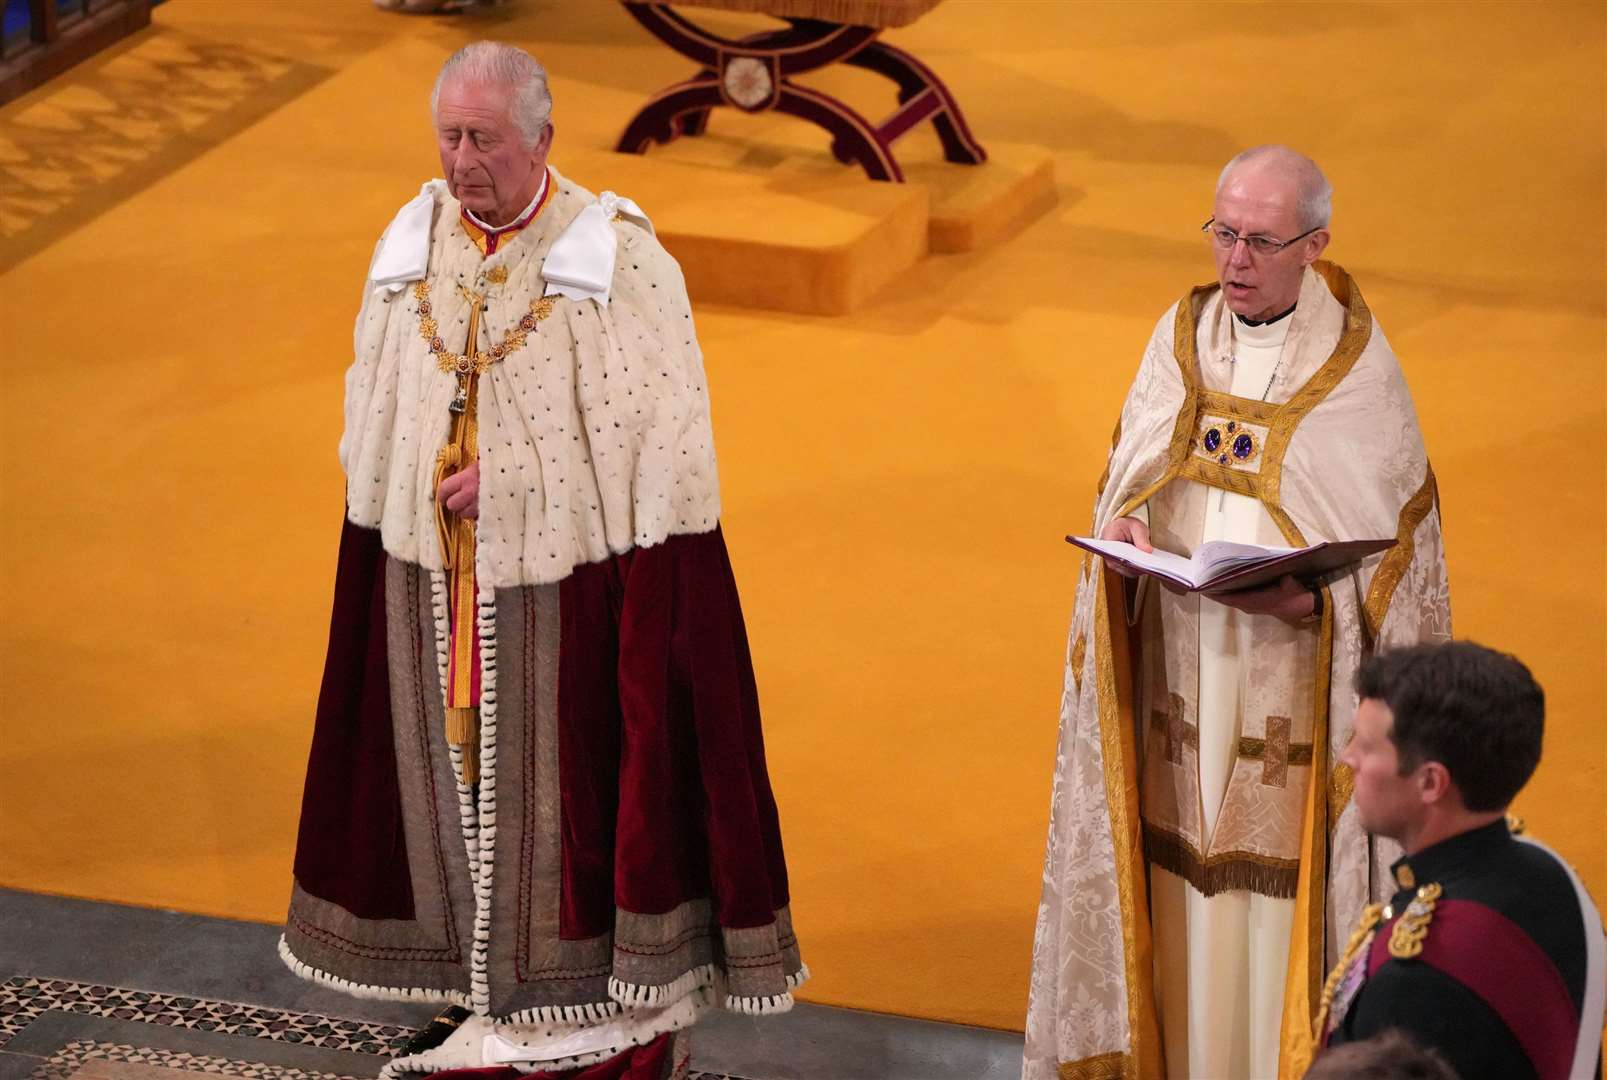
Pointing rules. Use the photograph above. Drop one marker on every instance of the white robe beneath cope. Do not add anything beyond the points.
(1220, 961)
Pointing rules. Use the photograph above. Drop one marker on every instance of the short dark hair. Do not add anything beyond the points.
(1476, 711)
(1387, 1056)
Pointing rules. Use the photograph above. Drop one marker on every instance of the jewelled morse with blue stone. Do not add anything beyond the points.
(1228, 442)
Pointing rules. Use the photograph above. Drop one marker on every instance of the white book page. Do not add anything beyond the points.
(1171, 565)
(1216, 556)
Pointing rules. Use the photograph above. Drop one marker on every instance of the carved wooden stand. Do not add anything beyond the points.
(754, 74)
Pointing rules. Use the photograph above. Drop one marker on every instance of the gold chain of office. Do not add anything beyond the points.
(476, 363)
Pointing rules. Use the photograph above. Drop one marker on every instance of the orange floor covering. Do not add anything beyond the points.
(184, 225)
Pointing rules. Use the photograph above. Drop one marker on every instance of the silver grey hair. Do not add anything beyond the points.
(1314, 196)
(500, 64)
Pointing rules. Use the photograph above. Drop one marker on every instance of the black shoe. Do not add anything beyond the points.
(436, 1032)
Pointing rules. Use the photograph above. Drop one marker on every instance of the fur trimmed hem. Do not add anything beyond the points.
(1233, 871)
(590, 1013)
(466, 1047)
(772, 1004)
(638, 996)
(706, 977)
(304, 970)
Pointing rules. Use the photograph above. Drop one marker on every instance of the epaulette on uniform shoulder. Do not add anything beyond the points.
(1407, 935)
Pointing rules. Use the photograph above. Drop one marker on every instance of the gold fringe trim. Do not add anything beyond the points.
(463, 732)
(1112, 1066)
(1230, 871)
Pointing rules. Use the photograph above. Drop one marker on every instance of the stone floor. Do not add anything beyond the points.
(97, 991)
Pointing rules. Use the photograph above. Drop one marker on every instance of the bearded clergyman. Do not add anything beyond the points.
(1203, 855)
(537, 790)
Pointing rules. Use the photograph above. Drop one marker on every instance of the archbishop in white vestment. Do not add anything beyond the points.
(1202, 854)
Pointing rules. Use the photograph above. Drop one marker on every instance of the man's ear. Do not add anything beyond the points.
(1314, 246)
(1434, 783)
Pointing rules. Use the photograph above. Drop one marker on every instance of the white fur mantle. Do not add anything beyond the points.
(594, 437)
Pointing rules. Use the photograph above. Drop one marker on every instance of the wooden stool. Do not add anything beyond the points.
(755, 73)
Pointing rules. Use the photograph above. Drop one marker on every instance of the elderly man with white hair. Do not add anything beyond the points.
(537, 789)
(1202, 853)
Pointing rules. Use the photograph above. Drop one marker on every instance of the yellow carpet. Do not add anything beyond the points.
(184, 225)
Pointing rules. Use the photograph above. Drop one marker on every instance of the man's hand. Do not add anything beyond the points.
(1288, 600)
(1128, 530)
(460, 492)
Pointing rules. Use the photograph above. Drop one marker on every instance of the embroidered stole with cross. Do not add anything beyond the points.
(1234, 444)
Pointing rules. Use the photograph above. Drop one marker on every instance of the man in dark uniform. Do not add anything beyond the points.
(1490, 950)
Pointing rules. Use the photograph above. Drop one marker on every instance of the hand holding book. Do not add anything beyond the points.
(1220, 566)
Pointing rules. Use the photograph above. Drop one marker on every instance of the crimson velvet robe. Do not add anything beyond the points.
(624, 831)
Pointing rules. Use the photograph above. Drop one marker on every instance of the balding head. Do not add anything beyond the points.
(1312, 195)
(1269, 223)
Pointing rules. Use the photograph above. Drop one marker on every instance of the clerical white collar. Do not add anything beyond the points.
(1290, 310)
(1263, 334)
(546, 178)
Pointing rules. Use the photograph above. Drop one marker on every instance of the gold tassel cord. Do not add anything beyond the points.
(446, 463)
(1360, 938)
(457, 536)
(463, 732)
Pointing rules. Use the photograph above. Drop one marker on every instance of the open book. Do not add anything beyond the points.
(1219, 566)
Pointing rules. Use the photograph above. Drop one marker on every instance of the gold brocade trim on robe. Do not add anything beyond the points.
(1393, 567)
(1231, 407)
(1226, 477)
(1112, 1066)
(1117, 739)
(1188, 412)
(1341, 785)
(1302, 990)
